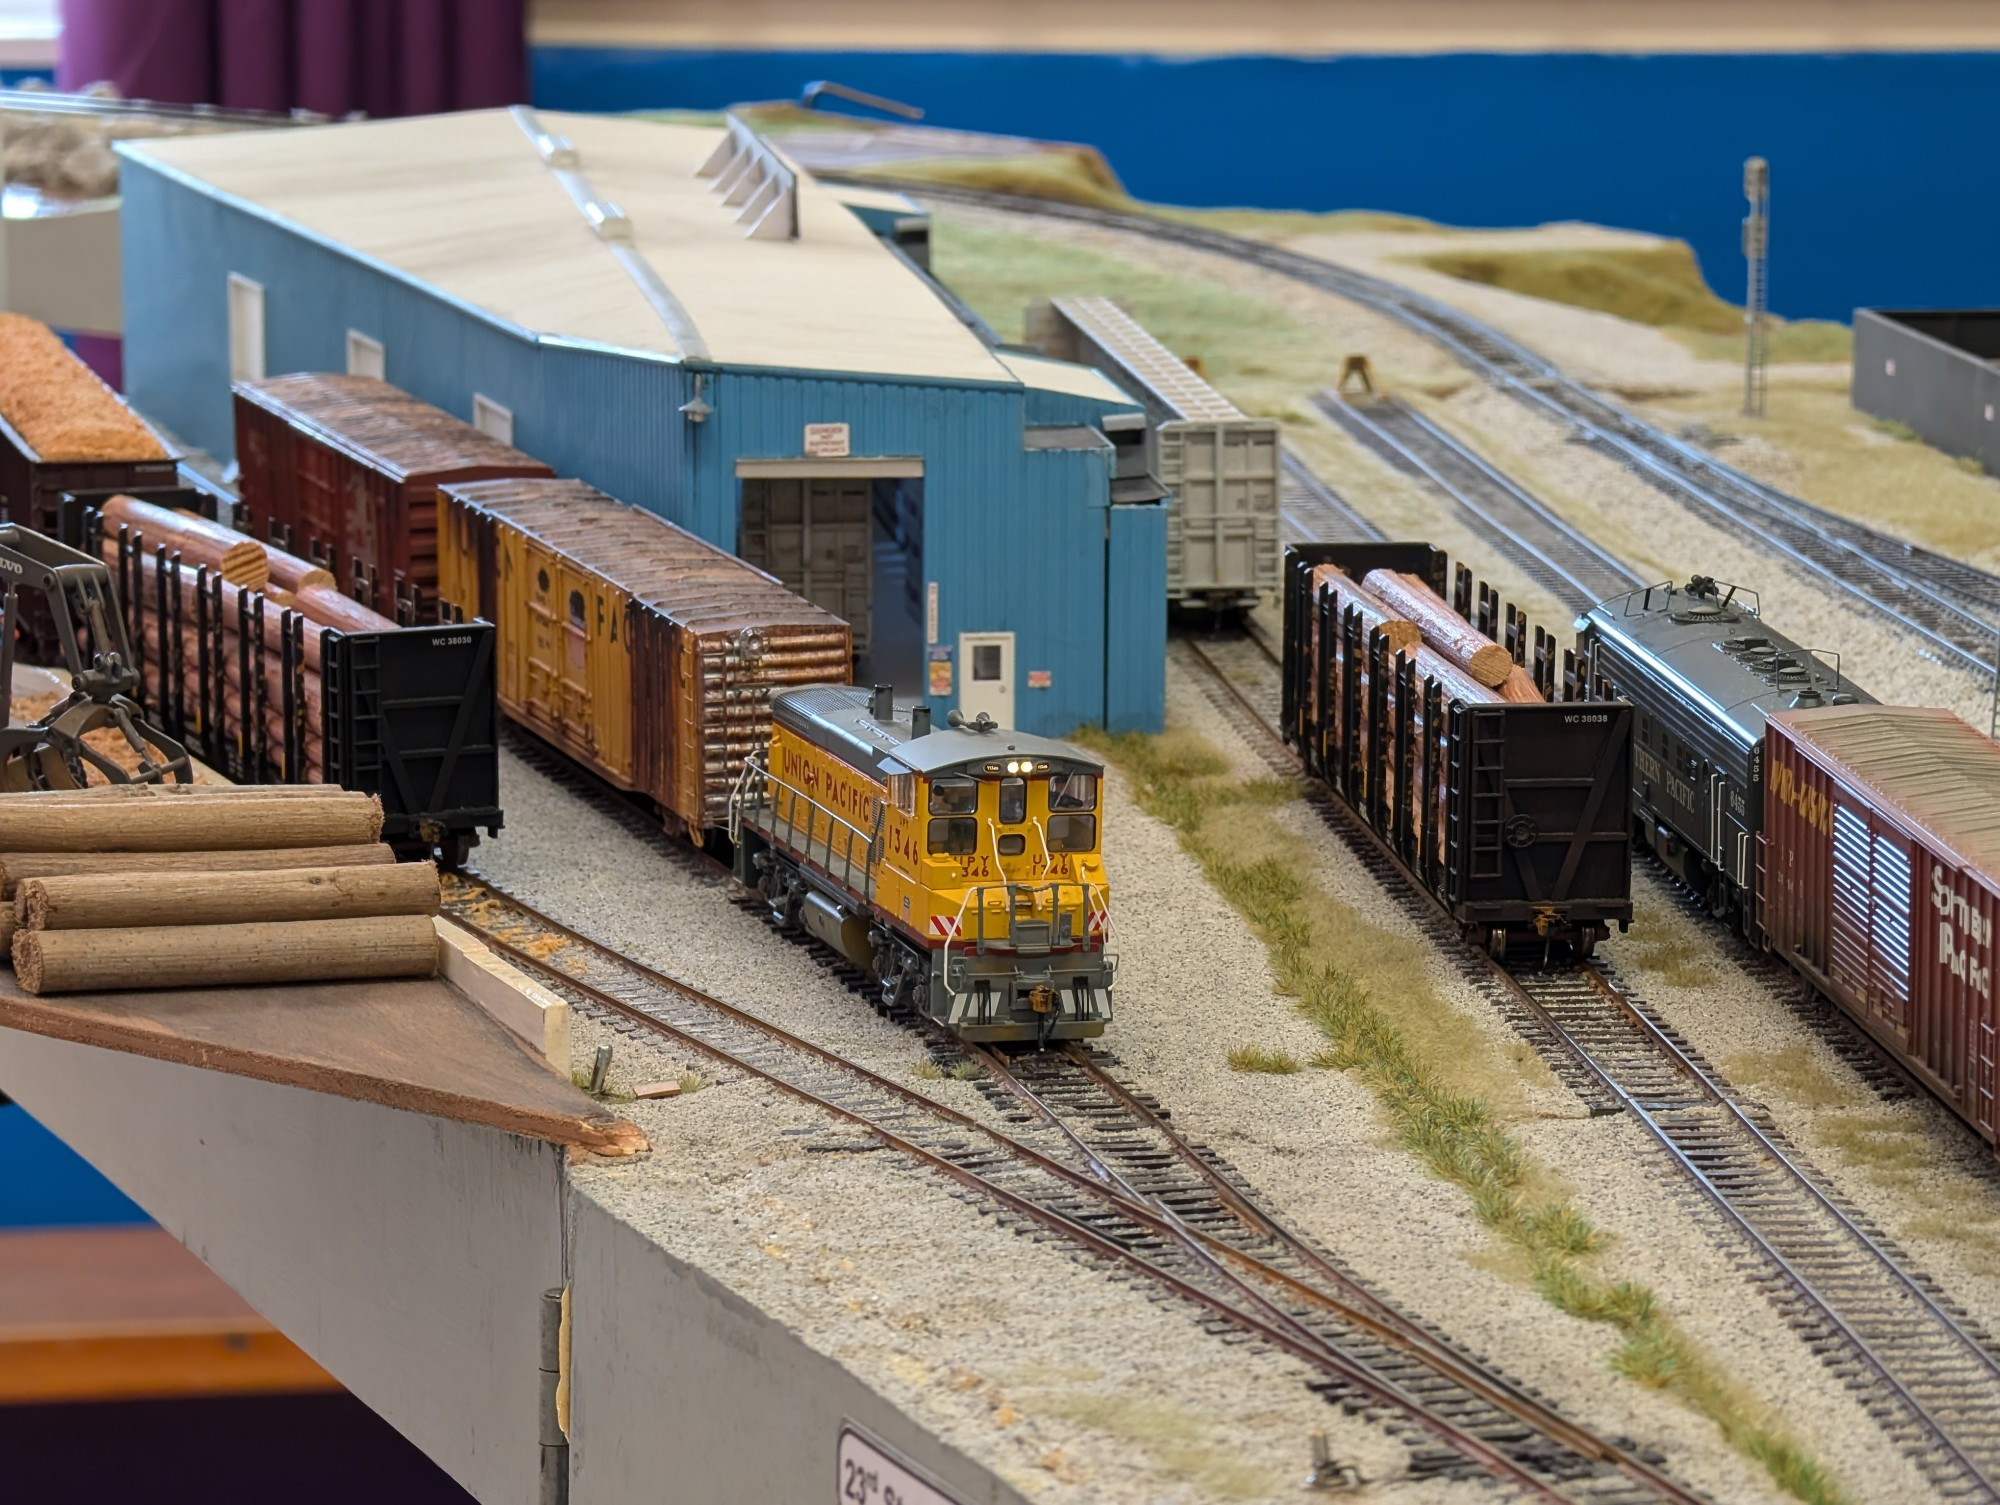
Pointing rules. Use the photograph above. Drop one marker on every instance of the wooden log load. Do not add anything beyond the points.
(1443, 629)
(240, 559)
(109, 900)
(179, 956)
(336, 818)
(16, 867)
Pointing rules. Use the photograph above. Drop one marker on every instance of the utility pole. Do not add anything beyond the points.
(1756, 251)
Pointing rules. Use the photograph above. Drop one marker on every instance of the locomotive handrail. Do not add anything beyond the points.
(814, 807)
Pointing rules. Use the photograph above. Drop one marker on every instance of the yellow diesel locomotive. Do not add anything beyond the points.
(960, 865)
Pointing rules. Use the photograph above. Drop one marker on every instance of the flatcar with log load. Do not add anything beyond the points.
(343, 471)
(250, 658)
(1499, 787)
(959, 866)
(646, 654)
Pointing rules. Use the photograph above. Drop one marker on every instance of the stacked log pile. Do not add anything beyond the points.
(1449, 634)
(141, 886)
(1442, 647)
(255, 577)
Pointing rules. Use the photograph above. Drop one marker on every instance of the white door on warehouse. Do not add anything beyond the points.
(988, 668)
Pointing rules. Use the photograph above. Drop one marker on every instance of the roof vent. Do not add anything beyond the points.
(1807, 699)
(882, 703)
(1703, 611)
(755, 182)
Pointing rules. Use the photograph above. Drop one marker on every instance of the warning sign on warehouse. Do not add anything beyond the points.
(826, 441)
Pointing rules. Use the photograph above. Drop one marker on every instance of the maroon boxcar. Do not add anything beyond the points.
(344, 471)
(1881, 881)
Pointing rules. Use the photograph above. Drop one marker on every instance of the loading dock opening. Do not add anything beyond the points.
(846, 534)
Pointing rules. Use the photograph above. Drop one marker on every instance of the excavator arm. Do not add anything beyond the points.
(52, 753)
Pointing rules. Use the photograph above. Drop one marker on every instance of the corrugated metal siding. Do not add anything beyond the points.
(613, 420)
(1136, 620)
(1041, 406)
(181, 247)
(1013, 539)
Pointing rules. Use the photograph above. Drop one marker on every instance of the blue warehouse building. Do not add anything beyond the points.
(676, 316)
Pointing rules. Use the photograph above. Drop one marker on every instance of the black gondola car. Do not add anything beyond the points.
(1703, 672)
(1511, 815)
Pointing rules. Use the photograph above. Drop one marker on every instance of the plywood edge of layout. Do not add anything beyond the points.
(423, 1046)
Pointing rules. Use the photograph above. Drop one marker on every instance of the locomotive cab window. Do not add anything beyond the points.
(1013, 845)
(1072, 833)
(1013, 801)
(956, 836)
(954, 797)
(903, 792)
(1072, 791)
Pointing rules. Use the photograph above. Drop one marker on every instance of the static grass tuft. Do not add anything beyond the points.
(1338, 967)
(1260, 1058)
(966, 1071)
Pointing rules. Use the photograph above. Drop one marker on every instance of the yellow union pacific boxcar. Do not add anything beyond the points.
(960, 865)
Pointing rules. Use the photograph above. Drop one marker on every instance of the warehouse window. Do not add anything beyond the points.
(365, 356)
(246, 329)
(492, 420)
(577, 618)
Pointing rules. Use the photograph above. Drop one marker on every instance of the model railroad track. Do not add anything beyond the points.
(1921, 1368)
(1455, 1416)
(1521, 528)
(1312, 511)
(1954, 606)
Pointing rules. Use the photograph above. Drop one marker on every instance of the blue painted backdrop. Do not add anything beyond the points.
(1883, 181)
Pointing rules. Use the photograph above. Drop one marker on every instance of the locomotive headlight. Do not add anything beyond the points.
(1013, 767)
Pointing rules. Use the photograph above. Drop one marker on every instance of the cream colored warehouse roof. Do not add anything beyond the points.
(465, 204)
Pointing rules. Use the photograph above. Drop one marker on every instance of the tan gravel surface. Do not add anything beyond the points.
(1148, 1409)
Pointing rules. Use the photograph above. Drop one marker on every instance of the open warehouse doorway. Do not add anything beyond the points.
(847, 536)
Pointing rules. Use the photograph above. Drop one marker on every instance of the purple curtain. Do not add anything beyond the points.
(384, 57)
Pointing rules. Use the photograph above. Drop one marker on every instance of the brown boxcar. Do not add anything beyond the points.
(641, 651)
(1881, 881)
(344, 471)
